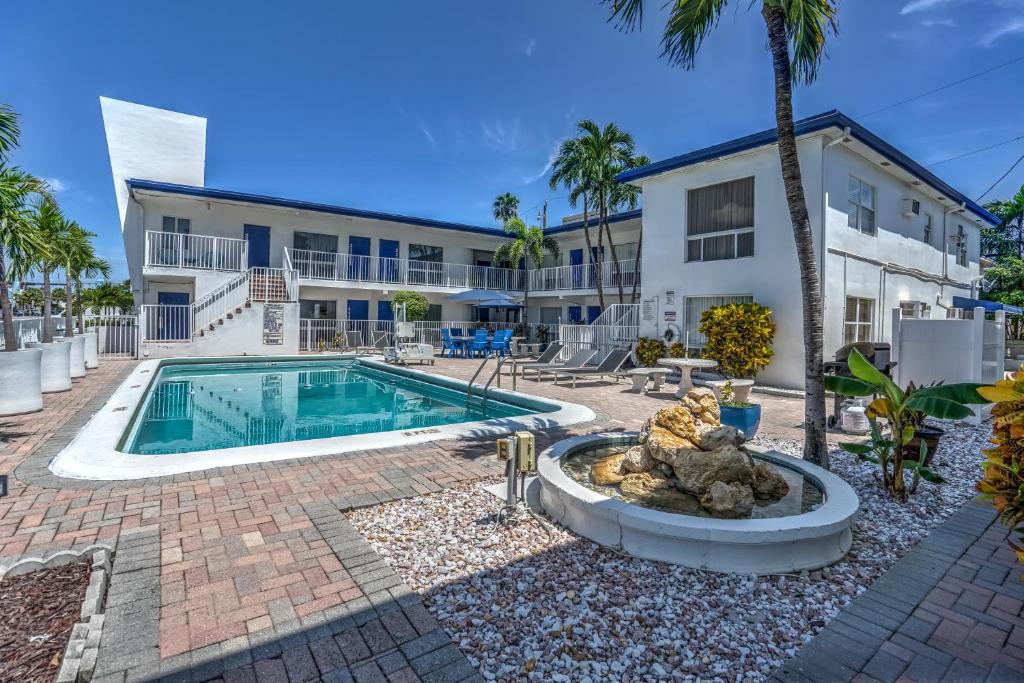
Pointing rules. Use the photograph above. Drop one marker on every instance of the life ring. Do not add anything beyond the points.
(672, 331)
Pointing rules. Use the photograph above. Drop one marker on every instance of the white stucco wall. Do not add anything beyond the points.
(241, 335)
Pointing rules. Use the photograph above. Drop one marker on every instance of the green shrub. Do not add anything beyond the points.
(739, 337)
(677, 350)
(416, 305)
(649, 350)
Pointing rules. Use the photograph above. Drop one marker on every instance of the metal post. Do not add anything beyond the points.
(511, 471)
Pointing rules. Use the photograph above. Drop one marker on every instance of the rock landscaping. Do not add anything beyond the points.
(536, 602)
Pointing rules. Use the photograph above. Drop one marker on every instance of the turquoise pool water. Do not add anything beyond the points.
(202, 407)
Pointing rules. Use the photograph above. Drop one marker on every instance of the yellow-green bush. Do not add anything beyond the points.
(677, 350)
(739, 337)
(649, 350)
(1003, 480)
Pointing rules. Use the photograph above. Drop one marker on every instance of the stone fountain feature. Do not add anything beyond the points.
(688, 490)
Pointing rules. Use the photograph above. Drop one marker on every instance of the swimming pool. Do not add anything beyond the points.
(186, 414)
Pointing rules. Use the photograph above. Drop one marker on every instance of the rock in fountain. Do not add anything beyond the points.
(686, 448)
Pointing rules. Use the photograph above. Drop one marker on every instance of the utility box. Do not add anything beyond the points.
(504, 449)
(525, 452)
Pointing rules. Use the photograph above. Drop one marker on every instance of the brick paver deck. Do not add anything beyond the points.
(251, 572)
(949, 610)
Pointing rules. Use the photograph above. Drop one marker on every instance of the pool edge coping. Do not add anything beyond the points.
(92, 455)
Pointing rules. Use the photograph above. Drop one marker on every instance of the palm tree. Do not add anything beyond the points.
(571, 170)
(528, 244)
(86, 264)
(49, 223)
(77, 254)
(627, 197)
(19, 242)
(506, 207)
(796, 41)
(1008, 237)
(110, 295)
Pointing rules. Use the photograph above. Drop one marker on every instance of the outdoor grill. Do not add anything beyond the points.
(877, 353)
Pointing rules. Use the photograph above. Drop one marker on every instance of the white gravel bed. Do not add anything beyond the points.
(524, 606)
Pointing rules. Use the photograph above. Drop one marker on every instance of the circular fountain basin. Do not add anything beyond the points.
(770, 545)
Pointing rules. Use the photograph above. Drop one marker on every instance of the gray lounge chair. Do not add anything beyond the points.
(547, 357)
(609, 366)
(578, 360)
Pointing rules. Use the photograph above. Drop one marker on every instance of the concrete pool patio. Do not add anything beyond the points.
(254, 573)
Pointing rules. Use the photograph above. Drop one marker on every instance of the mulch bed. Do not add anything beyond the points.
(37, 612)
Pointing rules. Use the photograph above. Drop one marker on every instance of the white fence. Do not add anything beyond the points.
(163, 323)
(177, 250)
(585, 276)
(30, 329)
(379, 333)
(117, 335)
(948, 351)
(322, 265)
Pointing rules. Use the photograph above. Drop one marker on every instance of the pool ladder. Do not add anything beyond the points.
(496, 373)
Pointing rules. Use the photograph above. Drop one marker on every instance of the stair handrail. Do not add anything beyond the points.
(219, 302)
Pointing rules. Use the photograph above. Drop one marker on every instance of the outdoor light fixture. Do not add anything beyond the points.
(3, 485)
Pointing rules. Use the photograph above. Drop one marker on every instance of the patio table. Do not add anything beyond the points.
(685, 367)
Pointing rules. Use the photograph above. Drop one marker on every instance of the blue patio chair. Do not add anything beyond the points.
(448, 344)
(458, 332)
(500, 343)
(479, 344)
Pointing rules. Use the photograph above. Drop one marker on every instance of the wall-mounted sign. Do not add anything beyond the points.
(670, 297)
(647, 310)
(273, 324)
(670, 316)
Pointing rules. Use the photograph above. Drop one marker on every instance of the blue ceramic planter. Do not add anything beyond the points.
(745, 419)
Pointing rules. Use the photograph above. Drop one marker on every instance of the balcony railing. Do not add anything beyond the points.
(584, 276)
(322, 265)
(314, 333)
(177, 250)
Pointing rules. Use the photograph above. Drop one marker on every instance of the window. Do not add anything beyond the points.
(182, 226)
(425, 252)
(915, 309)
(961, 246)
(862, 206)
(857, 319)
(434, 313)
(312, 241)
(720, 221)
(929, 223)
(550, 315)
(695, 307)
(319, 309)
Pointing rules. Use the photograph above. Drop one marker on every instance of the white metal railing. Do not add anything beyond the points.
(378, 333)
(164, 323)
(273, 285)
(117, 336)
(178, 250)
(30, 329)
(221, 301)
(322, 265)
(602, 338)
(584, 276)
(619, 314)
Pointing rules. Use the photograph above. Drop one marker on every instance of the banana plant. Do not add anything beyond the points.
(901, 410)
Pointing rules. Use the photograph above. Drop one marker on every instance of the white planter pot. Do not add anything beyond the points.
(77, 355)
(21, 389)
(92, 349)
(56, 365)
(741, 388)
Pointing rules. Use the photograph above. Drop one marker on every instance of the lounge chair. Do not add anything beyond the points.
(609, 366)
(546, 357)
(578, 360)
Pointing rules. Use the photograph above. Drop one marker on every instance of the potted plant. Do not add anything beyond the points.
(924, 432)
(744, 416)
(902, 411)
(739, 337)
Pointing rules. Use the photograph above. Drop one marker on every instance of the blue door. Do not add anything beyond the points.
(593, 312)
(385, 316)
(388, 252)
(175, 322)
(359, 259)
(575, 315)
(576, 259)
(358, 310)
(257, 239)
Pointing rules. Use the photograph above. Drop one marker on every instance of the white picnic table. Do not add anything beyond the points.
(685, 367)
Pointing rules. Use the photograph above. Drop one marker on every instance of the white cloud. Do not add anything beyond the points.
(1008, 28)
(427, 134)
(929, 23)
(57, 185)
(922, 5)
(531, 46)
(552, 155)
(502, 136)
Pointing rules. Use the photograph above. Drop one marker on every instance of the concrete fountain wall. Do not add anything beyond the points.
(754, 546)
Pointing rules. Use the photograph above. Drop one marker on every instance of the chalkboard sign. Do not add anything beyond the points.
(273, 324)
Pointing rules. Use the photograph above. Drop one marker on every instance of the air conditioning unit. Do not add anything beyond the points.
(911, 207)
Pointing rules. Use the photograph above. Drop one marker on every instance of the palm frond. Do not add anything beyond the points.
(807, 23)
(689, 23)
(10, 131)
(628, 15)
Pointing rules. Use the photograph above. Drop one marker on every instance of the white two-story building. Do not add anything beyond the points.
(889, 234)
(196, 254)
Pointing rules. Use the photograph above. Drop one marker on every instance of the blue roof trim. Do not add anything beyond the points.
(592, 220)
(811, 124)
(230, 195)
(990, 306)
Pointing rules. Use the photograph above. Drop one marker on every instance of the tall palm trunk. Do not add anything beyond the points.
(7, 309)
(599, 266)
(615, 259)
(47, 308)
(636, 262)
(69, 319)
(590, 246)
(815, 447)
(81, 306)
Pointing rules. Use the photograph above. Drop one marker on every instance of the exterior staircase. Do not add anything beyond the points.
(260, 285)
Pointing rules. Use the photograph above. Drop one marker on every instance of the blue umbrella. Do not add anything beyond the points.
(477, 297)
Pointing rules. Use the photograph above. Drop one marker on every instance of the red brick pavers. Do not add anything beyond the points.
(239, 557)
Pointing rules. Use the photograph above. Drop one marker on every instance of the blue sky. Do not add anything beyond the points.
(434, 108)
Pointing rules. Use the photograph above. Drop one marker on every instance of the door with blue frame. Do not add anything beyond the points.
(359, 258)
(576, 259)
(575, 315)
(173, 323)
(257, 238)
(385, 318)
(388, 268)
(593, 312)
(358, 312)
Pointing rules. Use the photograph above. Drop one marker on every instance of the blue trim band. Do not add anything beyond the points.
(812, 124)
